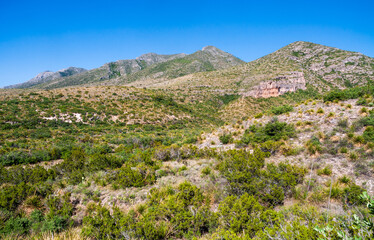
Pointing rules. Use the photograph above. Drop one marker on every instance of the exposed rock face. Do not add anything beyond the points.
(280, 85)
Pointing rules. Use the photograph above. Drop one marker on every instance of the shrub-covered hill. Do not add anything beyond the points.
(127, 163)
(324, 68)
(33, 123)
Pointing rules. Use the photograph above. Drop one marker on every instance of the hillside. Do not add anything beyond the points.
(91, 157)
(271, 149)
(295, 66)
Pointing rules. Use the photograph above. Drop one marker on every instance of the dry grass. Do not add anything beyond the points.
(70, 234)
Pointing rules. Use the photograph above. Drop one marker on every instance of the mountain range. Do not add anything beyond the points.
(296, 66)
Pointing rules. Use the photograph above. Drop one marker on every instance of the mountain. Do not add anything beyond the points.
(295, 66)
(208, 59)
(298, 65)
(150, 65)
(49, 76)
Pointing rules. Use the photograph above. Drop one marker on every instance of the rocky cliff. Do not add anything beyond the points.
(282, 84)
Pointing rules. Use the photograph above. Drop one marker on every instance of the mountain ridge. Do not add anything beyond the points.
(48, 76)
(321, 67)
(210, 58)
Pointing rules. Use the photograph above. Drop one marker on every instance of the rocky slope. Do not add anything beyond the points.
(49, 76)
(323, 68)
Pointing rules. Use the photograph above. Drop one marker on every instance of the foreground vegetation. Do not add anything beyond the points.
(90, 161)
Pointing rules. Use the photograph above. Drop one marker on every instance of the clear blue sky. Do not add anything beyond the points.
(50, 35)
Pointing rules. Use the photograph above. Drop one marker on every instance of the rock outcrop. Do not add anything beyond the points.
(280, 85)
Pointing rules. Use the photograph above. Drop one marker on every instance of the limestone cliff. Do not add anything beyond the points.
(282, 84)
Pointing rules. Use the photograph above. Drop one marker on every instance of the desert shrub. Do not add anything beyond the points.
(241, 214)
(41, 133)
(56, 219)
(12, 196)
(229, 234)
(287, 150)
(344, 179)
(314, 145)
(100, 149)
(368, 134)
(22, 157)
(351, 195)
(349, 93)
(343, 150)
(325, 171)
(271, 146)
(101, 224)
(359, 139)
(128, 176)
(281, 109)
(273, 130)
(363, 110)
(227, 98)
(226, 138)
(167, 213)
(355, 226)
(16, 225)
(103, 161)
(174, 152)
(353, 156)
(206, 171)
(343, 123)
(245, 175)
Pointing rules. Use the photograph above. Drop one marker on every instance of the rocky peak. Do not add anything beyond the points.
(41, 76)
(215, 51)
(48, 76)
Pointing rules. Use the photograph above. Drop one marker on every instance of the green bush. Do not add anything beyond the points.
(128, 176)
(281, 109)
(351, 195)
(273, 130)
(181, 214)
(241, 214)
(368, 134)
(349, 93)
(226, 138)
(271, 185)
(314, 145)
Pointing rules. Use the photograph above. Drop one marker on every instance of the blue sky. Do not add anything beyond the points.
(50, 35)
